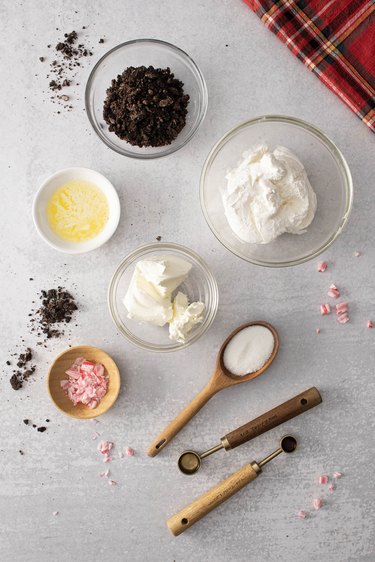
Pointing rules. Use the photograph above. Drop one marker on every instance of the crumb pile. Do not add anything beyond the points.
(64, 67)
(146, 106)
(24, 371)
(57, 307)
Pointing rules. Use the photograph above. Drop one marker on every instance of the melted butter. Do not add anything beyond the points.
(77, 211)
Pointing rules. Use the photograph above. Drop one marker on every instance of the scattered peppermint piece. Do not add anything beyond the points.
(55, 513)
(370, 324)
(341, 308)
(129, 452)
(317, 330)
(337, 475)
(333, 292)
(357, 254)
(323, 479)
(332, 487)
(112, 482)
(325, 309)
(343, 318)
(317, 503)
(322, 266)
(302, 514)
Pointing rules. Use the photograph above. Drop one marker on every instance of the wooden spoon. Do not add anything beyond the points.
(221, 378)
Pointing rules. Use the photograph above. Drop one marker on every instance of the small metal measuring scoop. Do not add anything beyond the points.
(218, 494)
(221, 378)
(190, 461)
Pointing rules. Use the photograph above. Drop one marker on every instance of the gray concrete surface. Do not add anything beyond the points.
(248, 73)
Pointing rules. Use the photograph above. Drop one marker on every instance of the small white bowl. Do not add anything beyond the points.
(55, 181)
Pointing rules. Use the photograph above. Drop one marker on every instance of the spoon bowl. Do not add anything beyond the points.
(220, 379)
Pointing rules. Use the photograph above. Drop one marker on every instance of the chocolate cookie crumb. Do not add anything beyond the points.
(21, 452)
(8, 363)
(47, 421)
(41, 59)
(101, 40)
(58, 306)
(158, 238)
(146, 106)
(15, 382)
(41, 429)
(26, 421)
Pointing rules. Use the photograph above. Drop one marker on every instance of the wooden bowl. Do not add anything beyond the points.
(56, 374)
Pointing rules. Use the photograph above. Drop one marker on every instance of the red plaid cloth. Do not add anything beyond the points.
(333, 38)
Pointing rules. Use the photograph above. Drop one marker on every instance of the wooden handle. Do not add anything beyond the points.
(207, 502)
(181, 420)
(293, 407)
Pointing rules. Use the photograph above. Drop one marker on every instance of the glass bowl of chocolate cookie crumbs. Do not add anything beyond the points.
(146, 98)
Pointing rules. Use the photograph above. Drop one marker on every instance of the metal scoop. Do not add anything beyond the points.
(190, 461)
(221, 378)
(218, 494)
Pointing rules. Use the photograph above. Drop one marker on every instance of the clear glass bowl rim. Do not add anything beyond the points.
(326, 140)
(138, 252)
(170, 148)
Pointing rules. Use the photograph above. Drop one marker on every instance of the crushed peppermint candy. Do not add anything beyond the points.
(55, 513)
(323, 479)
(322, 266)
(317, 330)
(87, 383)
(317, 503)
(302, 514)
(104, 474)
(341, 308)
(343, 318)
(325, 309)
(104, 448)
(332, 487)
(129, 452)
(333, 292)
(337, 475)
(357, 254)
(370, 324)
(112, 482)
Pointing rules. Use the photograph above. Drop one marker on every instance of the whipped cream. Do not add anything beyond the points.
(149, 296)
(267, 195)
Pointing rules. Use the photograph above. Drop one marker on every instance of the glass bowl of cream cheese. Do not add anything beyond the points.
(276, 191)
(163, 297)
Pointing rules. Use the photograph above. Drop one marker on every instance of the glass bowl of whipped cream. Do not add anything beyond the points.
(276, 191)
(163, 297)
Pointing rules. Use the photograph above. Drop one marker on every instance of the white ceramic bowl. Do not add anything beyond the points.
(57, 180)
